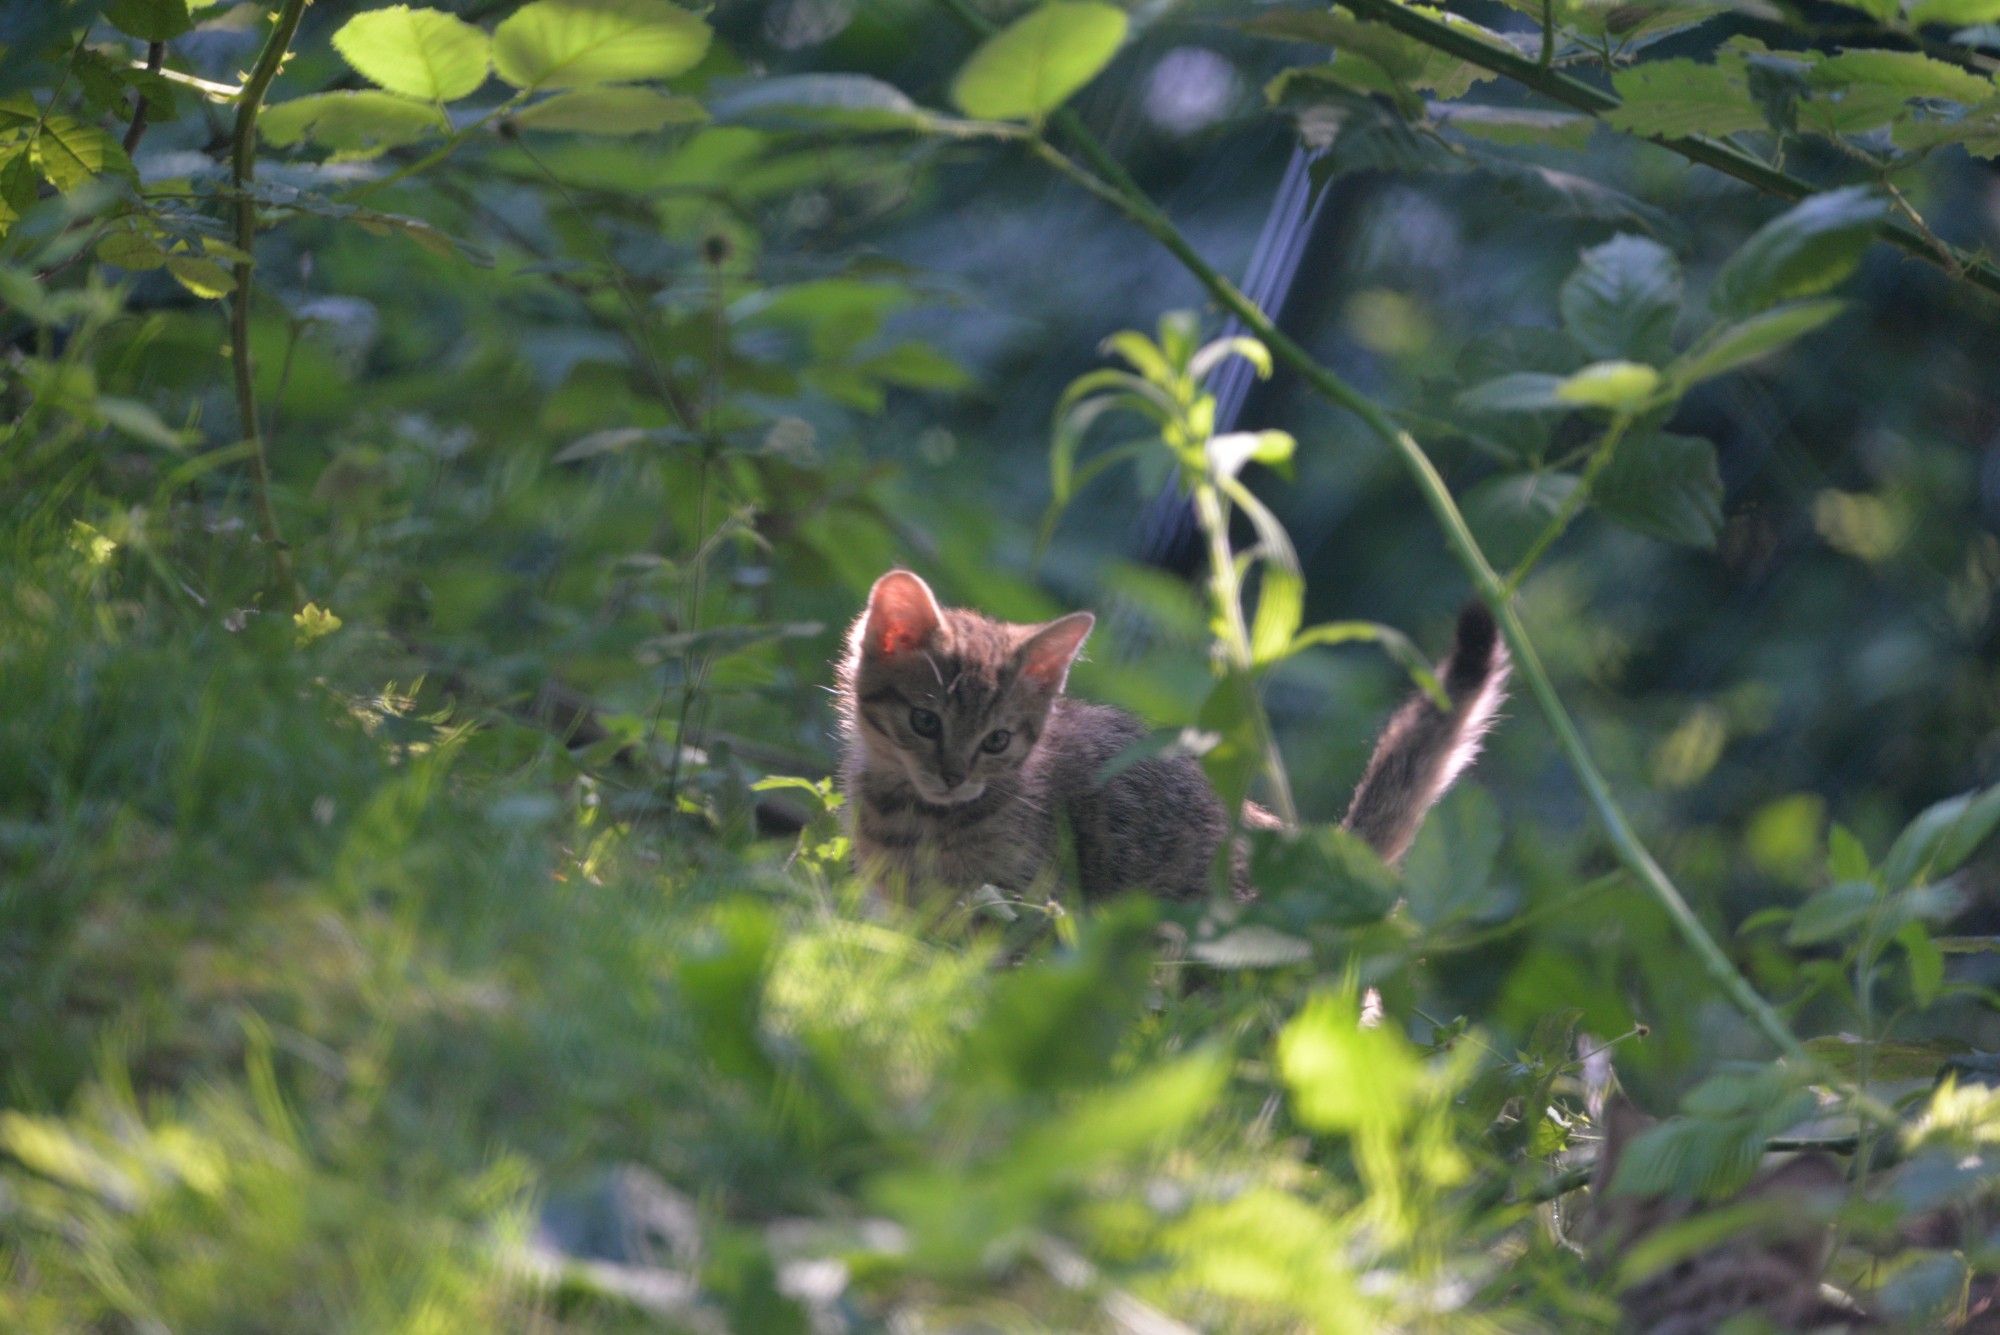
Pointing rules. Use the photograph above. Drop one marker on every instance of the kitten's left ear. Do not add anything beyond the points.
(1046, 657)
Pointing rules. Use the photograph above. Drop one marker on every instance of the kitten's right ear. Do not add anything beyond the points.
(902, 615)
(1046, 657)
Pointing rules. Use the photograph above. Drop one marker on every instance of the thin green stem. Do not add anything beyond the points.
(1710, 152)
(1227, 590)
(1572, 504)
(243, 169)
(1490, 587)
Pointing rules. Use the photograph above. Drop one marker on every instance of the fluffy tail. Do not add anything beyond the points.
(1424, 749)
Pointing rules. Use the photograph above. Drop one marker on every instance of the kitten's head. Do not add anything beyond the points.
(948, 699)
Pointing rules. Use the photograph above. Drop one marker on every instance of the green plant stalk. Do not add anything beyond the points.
(1572, 504)
(1489, 585)
(1227, 591)
(243, 169)
(1709, 152)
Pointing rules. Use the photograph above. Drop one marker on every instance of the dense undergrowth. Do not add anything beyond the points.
(427, 517)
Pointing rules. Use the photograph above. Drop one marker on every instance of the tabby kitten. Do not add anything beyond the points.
(964, 758)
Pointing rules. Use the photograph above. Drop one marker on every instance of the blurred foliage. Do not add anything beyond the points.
(453, 930)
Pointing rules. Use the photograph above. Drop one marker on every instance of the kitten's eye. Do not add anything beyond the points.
(996, 741)
(925, 724)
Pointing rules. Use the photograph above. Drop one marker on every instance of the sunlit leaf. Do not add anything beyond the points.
(1728, 346)
(1940, 839)
(577, 43)
(423, 53)
(1622, 386)
(1036, 63)
(359, 122)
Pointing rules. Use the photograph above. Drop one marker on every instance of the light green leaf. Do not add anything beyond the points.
(1623, 298)
(615, 110)
(1978, 130)
(1663, 485)
(1671, 98)
(578, 43)
(355, 123)
(422, 53)
(1343, 1077)
(204, 278)
(1846, 858)
(1032, 66)
(1621, 386)
(1955, 13)
(67, 152)
(1280, 609)
(1800, 253)
(1728, 346)
(1523, 126)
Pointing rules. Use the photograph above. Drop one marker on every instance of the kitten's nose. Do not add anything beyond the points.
(952, 777)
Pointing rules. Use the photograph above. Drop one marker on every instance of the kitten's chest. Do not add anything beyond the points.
(1007, 847)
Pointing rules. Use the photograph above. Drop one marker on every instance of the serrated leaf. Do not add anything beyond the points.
(1906, 74)
(1617, 385)
(614, 110)
(421, 53)
(149, 20)
(1886, 1059)
(1035, 64)
(1832, 913)
(1800, 253)
(131, 250)
(1675, 98)
(579, 43)
(1728, 346)
(1623, 298)
(67, 152)
(1978, 131)
(1663, 485)
(356, 123)
(1509, 512)
(1942, 837)
(1568, 195)
(204, 278)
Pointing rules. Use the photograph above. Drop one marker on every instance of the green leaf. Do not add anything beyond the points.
(1280, 609)
(1728, 346)
(837, 101)
(421, 53)
(1344, 1077)
(1510, 511)
(1673, 98)
(1623, 298)
(1253, 946)
(131, 250)
(204, 278)
(1925, 959)
(1518, 392)
(149, 20)
(1665, 486)
(1621, 386)
(578, 43)
(1941, 838)
(1033, 65)
(1845, 856)
(1832, 913)
(1905, 73)
(67, 152)
(356, 123)
(1447, 875)
(1885, 1059)
(1800, 253)
(1978, 131)
(610, 111)
(1955, 13)
(1522, 126)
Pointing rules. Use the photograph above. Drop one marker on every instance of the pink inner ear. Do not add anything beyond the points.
(902, 615)
(1045, 659)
